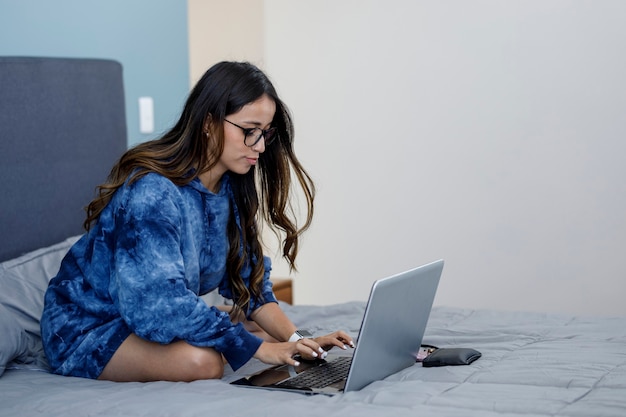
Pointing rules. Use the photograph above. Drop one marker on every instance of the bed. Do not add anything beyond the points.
(61, 127)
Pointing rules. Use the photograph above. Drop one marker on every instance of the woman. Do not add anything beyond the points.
(177, 218)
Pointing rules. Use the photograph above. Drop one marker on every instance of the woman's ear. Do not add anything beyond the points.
(208, 124)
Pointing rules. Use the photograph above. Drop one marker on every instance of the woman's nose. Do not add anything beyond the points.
(260, 145)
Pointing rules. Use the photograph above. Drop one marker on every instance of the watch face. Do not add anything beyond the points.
(305, 333)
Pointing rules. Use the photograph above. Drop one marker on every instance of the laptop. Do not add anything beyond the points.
(389, 339)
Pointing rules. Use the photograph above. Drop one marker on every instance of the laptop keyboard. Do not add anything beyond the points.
(321, 376)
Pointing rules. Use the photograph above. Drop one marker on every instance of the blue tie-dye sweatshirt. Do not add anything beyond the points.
(155, 248)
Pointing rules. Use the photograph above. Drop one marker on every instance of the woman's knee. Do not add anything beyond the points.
(205, 363)
(140, 360)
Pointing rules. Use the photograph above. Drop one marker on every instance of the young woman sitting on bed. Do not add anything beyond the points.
(177, 218)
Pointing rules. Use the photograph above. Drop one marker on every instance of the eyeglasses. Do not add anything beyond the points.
(253, 135)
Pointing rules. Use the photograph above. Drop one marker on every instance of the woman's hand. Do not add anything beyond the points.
(284, 352)
(338, 338)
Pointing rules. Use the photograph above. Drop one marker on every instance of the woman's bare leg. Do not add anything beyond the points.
(139, 360)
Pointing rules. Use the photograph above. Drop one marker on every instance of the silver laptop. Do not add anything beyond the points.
(389, 340)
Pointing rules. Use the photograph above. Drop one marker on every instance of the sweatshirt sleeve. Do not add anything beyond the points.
(149, 283)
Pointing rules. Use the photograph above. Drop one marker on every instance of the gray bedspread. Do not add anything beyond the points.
(532, 365)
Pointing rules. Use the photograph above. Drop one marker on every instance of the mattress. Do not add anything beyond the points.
(532, 364)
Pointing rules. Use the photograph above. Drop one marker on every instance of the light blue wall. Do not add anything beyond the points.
(148, 37)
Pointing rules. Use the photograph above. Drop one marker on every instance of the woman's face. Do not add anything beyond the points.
(237, 157)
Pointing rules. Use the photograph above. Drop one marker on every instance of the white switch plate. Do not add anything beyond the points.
(146, 115)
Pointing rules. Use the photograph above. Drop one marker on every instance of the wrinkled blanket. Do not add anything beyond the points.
(532, 364)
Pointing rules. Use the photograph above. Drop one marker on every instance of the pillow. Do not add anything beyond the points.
(23, 282)
(13, 340)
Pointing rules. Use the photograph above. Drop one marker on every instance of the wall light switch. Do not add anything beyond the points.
(146, 115)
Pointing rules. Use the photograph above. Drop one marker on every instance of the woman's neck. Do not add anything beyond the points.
(211, 181)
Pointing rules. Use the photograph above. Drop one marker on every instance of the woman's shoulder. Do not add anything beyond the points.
(154, 179)
(151, 183)
(152, 196)
(151, 188)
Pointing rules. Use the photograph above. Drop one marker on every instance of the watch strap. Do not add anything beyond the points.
(295, 336)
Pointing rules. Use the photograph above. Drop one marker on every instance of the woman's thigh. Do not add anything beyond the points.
(139, 360)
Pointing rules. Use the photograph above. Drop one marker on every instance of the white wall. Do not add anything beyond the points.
(223, 30)
(488, 133)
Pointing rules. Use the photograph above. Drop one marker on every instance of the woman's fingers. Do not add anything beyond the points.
(286, 352)
(340, 339)
(309, 348)
(344, 337)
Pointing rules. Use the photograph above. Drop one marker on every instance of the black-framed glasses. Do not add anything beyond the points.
(253, 135)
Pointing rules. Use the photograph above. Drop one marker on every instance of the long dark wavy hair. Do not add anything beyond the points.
(262, 193)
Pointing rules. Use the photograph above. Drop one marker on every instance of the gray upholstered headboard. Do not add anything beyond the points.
(62, 126)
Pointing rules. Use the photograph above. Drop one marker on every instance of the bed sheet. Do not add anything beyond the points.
(533, 364)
